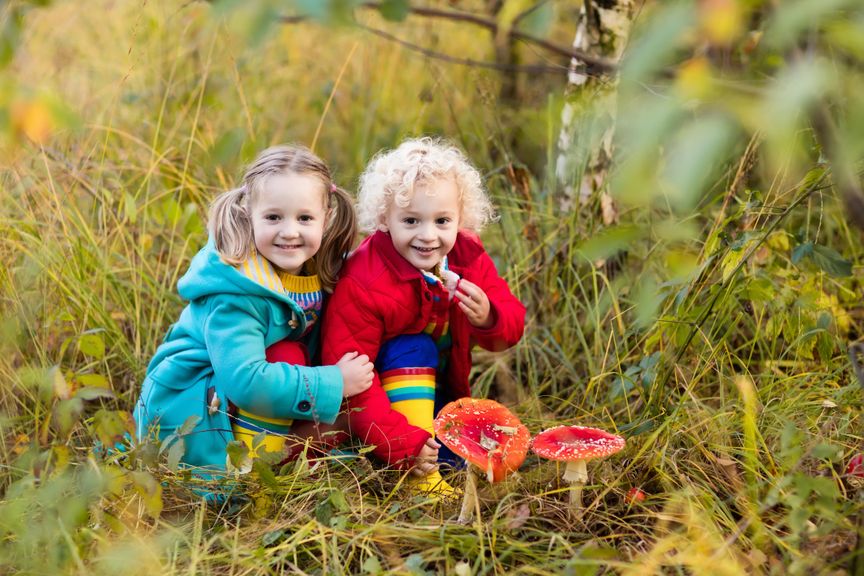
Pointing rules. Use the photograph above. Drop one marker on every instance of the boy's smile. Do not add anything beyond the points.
(424, 231)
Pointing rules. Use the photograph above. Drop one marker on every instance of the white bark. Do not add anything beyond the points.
(580, 177)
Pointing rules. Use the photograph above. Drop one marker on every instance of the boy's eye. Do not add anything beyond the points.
(442, 221)
(410, 220)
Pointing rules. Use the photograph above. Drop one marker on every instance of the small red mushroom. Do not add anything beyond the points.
(488, 436)
(575, 445)
(855, 471)
(635, 495)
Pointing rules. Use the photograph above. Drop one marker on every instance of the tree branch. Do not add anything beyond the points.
(595, 64)
(463, 61)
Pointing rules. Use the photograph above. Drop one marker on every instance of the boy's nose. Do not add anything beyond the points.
(427, 232)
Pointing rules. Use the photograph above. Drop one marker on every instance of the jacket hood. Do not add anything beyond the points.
(208, 275)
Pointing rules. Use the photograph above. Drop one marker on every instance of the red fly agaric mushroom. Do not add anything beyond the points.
(575, 445)
(488, 436)
(855, 471)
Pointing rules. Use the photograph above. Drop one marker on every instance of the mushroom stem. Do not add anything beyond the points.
(469, 502)
(576, 475)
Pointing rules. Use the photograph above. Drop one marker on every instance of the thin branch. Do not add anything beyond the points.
(464, 61)
(595, 64)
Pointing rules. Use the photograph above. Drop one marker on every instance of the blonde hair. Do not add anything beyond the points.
(230, 223)
(392, 175)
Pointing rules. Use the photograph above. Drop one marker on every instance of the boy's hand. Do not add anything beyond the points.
(426, 461)
(474, 303)
(356, 372)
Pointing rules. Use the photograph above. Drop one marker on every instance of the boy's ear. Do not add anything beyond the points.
(382, 226)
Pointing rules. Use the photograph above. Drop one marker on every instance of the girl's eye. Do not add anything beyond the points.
(305, 218)
(271, 217)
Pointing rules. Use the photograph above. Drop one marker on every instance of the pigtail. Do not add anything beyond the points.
(338, 239)
(230, 226)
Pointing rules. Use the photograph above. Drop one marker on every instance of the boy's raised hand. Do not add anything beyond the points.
(426, 461)
(356, 372)
(474, 303)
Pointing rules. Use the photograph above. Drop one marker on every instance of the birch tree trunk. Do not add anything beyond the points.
(581, 173)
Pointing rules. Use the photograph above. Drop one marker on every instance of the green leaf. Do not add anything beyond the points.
(539, 21)
(150, 491)
(330, 12)
(263, 23)
(175, 454)
(93, 380)
(698, 149)
(395, 10)
(801, 16)
(129, 208)
(829, 452)
(655, 48)
(92, 393)
(110, 426)
(609, 242)
(372, 565)
(188, 425)
(91, 344)
(238, 459)
(831, 261)
(272, 537)
(265, 473)
(827, 259)
(67, 414)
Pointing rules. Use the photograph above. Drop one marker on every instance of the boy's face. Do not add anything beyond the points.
(424, 231)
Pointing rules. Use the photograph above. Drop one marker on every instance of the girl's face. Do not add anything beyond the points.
(288, 218)
(424, 231)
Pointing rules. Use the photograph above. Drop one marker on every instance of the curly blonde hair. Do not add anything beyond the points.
(392, 175)
(230, 223)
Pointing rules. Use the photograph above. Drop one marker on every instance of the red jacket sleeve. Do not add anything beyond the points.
(353, 323)
(507, 311)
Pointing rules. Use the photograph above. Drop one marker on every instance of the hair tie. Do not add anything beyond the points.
(332, 188)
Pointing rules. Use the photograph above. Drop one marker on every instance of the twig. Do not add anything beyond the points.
(596, 64)
(464, 61)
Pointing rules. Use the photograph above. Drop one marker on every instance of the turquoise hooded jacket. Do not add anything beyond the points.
(217, 347)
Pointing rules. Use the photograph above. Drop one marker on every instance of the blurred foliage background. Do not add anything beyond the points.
(679, 188)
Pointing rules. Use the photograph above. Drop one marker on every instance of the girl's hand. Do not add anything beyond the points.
(356, 372)
(426, 460)
(474, 303)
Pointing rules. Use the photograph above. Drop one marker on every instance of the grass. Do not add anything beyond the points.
(730, 380)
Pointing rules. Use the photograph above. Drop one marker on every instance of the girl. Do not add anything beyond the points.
(255, 296)
(416, 296)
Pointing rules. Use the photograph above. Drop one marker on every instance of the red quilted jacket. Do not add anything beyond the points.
(380, 296)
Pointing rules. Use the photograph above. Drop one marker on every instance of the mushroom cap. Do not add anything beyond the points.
(485, 433)
(568, 443)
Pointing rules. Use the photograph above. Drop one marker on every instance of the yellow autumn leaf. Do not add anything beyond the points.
(722, 20)
(694, 79)
(35, 120)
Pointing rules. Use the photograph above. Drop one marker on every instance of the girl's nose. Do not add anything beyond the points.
(288, 231)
